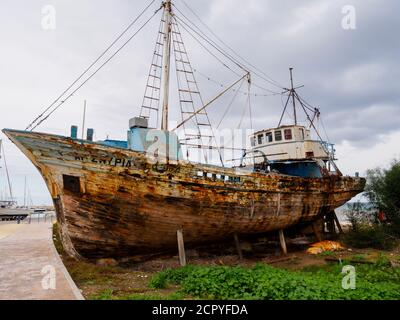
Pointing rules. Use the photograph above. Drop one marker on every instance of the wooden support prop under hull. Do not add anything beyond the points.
(316, 231)
(337, 222)
(238, 248)
(181, 248)
(330, 222)
(282, 241)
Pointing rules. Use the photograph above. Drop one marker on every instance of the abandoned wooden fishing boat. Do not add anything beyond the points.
(124, 198)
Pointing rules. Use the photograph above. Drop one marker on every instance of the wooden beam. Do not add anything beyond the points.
(238, 248)
(330, 222)
(316, 232)
(282, 241)
(337, 222)
(181, 248)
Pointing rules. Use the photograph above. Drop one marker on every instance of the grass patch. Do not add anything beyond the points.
(360, 257)
(374, 282)
(327, 253)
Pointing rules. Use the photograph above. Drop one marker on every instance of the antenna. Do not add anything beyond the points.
(292, 95)
(292, 92)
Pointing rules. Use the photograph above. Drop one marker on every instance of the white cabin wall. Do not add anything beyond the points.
(294, 149)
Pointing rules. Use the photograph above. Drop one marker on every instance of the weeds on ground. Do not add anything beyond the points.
(374, 282)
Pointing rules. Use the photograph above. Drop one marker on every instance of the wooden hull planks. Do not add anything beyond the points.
(114, 202)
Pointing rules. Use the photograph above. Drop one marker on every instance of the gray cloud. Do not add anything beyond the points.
(352, 75)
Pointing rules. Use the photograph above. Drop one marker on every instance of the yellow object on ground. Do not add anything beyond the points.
(323, 246)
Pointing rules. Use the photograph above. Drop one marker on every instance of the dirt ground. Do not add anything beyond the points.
(130, 280)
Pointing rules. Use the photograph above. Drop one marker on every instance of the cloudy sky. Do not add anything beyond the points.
(347, 63)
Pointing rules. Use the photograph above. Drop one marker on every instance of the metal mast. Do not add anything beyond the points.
(293, 96)
(8, 175)
(166, 62)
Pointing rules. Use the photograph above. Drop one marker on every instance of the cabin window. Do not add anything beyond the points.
(278, 135)
(269, 137)
(233, 179)
(260, 138)
(72, 183)
(288, 134)
(301, 134)
(253, 141)
(200, 173)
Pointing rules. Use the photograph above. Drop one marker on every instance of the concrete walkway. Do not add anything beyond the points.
(30, 267)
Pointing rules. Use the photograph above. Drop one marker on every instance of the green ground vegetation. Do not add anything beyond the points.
(373, 282)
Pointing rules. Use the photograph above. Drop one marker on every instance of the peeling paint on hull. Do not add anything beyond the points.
(119, 204)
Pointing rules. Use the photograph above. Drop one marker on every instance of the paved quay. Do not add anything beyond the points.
(30, 267)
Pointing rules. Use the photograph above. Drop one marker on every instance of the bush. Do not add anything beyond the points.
(383, 191)
(359, 214)
(370, 236)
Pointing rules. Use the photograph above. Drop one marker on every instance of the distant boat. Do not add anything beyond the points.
(123, 198)
(4, 202)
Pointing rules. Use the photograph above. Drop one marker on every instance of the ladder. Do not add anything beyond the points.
(198, 131)
(151, 100)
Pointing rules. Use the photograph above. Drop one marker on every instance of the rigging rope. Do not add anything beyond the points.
(245, 66)
(209, 51)
(152, 92)
(221, 62)
(230, 104)
(178, 32)
(234, 90)
(272, 81)
(216, 47)
(210, 42)
(30, 126)
(249, 102)
(94, 73)
(210, 102)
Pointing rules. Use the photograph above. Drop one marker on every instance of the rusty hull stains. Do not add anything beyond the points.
(126, 205)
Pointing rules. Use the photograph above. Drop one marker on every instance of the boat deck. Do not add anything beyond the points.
(13, 214)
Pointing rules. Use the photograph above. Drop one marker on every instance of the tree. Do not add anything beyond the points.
(383, 191)
(359, 214)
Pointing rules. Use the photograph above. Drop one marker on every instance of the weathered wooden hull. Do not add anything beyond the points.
(114, 202)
